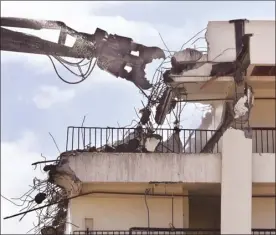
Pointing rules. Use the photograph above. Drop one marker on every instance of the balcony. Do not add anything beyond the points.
(162, 231)
(131, 162)
(112, 139)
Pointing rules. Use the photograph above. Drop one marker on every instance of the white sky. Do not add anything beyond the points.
(34, 102)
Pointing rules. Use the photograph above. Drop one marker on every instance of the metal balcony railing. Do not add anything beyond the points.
(258, 231)
(121, 139)
(152, 231)
(263, 140)
(157, 231)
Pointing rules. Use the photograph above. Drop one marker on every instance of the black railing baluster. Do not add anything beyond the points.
(171, 135)
(78, 138)
(73, 131)
(179, 142)
(267, 142)
(273, 141)
(262, 146)
(206, 137)
(67, 136)
(95, 133)
(200, 139)
(184, 141)
(112, 141)
(217, 146)
(84, 143)
(190, 141)
(106, 137)
(90, 140)
(101, 137)
(195, 142)
(162, 140)
(117, 130)
(256, 141)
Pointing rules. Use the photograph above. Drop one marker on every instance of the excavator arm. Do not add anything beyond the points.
(113, 52)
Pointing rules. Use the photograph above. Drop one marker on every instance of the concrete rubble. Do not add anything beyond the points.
(63, 176)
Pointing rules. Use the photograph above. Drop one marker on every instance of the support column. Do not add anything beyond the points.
(236, 183)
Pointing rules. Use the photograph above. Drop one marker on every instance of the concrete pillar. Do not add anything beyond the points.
(236, 183)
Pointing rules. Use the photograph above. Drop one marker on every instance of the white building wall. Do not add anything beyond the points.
(122, 213)
(263, 168)
(221, 49)
(263, 39)
(220, 36)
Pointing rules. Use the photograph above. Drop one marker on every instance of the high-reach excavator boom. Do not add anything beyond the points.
(113, 52)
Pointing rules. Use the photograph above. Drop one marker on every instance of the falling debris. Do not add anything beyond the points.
(152, 142)
(195, 142)
(186, 60)
(240, 108)
(40, 197)
(244, 104)
(146, 112)
(165, 106)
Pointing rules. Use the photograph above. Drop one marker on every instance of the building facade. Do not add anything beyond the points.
(228, 188)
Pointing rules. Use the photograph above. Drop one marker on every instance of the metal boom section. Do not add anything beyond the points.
(113, 52)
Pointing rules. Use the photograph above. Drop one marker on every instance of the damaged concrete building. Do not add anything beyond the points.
(216, 179)
(214, 183)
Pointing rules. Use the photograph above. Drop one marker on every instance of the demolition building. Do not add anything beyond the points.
(216, 179)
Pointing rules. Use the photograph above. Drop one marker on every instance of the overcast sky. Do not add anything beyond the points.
(34, 101)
